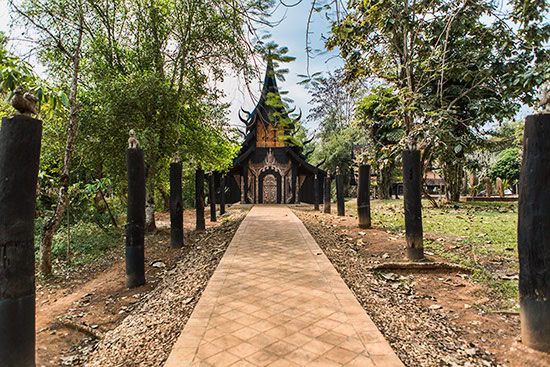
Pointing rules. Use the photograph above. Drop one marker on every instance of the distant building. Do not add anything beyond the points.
(270, 168)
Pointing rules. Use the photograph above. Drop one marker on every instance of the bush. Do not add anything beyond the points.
(88, 241)
(507, 165)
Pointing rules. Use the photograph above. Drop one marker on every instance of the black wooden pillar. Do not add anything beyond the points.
(534, 234)
(222, 194)
(212, 196)
(316, 192)
(413, 204)
(327, 196)
(176, 206)
(20, 139)
(199, 199)
(135, 227)
(294, 184)
(340, 194)
(245, 183)
(363, 197)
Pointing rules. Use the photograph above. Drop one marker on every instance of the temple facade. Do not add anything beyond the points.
(271, 167)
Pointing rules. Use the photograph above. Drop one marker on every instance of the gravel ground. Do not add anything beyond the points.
(146, 336)
(420, 336)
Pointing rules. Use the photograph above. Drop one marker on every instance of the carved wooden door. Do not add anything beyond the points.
(269, 190)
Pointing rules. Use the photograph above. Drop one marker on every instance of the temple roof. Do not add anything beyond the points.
(270, 108)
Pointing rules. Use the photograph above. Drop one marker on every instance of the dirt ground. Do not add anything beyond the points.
(430, 317)
(75, 309)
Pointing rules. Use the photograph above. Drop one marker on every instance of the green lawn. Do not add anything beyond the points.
(481, 235)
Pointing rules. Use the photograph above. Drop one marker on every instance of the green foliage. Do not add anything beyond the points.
(88, 241)
(336, 150)
(15, 72)
(507, 165)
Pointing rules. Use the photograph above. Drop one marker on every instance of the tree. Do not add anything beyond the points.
(376, 114)
(60, 26)
(144, 65)
(452, 70)
(507, 165)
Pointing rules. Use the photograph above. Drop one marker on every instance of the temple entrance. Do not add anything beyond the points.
(270, 190)
(270, 187)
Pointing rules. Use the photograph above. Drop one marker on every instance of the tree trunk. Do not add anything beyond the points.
(165, 199)
(150, 211)
(453, 175)
(51, 225)
(384, 182)
(150, 224)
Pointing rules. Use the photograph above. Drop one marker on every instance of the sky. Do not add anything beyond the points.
(289, 32)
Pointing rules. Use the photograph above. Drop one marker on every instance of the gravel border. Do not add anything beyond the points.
(420, 336)
(146, 336)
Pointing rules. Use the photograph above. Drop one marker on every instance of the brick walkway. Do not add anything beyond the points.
(276, 300)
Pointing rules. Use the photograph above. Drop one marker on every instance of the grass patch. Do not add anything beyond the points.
(481, 235)
(88, 241)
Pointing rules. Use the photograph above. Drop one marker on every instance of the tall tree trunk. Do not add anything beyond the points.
(165, 199)
(453, 173)
(384, 182)
(150, 224)
(150, 171)
(51, 225)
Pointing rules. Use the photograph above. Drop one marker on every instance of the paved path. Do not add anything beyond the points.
(276, 300)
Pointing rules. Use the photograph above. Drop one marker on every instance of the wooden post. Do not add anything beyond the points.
(327, 197)
(363, 197)
(294, 184)
(222, 194)
(340, 194)
(316, 192)
(20, 138)
(534, 234)
(199, 199)
(212, 196)
(245, 183)
(176, 206)
(135, 227)
(413, 204)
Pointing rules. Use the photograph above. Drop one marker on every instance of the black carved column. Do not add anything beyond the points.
(199, 199)
(363, 197)
(316, 192)
(413, 204)
(245, 180)
(534, 234)
(328, 194)
(176, 206)
(212, 196)
(340, 194)
(222, 194)
(20, 138)
(135, 258)
(294, 184)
